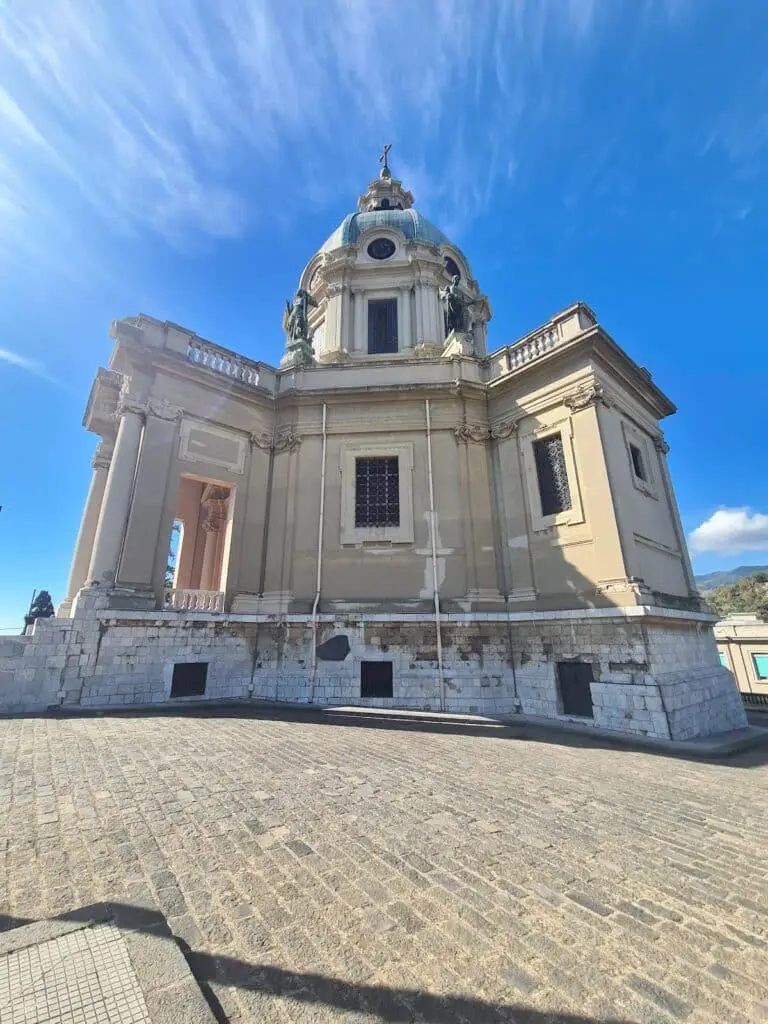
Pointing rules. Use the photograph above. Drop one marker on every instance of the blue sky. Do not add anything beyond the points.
(185, 159)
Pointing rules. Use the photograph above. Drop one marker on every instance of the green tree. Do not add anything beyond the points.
(173, 553)
(747, 597)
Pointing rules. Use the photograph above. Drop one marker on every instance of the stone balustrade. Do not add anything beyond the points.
(531, 348)
(223, 361)
(186, 599)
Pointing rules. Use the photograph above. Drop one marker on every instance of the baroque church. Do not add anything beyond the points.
(394, 516)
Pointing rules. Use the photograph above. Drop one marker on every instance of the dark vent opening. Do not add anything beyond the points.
(375, 678)
(189, 678)
(554, 489)
(573, 683)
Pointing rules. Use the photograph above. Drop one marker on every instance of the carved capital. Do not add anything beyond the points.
(582, 398)
(333, 288)
(470, 432)
(286, 440)
(215, 506)
(660, 444)
(505, 429)
(102, 457)
(127, 402)
(263, 441)
(163, 410)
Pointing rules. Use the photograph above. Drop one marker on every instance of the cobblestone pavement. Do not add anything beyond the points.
(326, 872)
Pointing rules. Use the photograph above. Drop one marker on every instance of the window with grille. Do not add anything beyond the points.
(382, 326)
(638, 465)
(554, 490)
(377, 491)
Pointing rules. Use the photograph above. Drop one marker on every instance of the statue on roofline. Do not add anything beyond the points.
(299, 350)
(456, 305)
(296, 316)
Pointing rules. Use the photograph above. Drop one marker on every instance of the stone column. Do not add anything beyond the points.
(358, 342)
(117, 494)
(420, 314)
(145, 551)
(81, 559)
(347, 338)
(215, 518)
(406, 333)
(436, 332)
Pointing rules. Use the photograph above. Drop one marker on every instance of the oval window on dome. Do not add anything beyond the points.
(381, 248)
(452, 267)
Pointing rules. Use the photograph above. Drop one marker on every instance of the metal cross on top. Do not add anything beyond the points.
(383, 159)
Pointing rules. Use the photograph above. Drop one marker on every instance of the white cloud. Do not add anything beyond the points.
(729, 531)
(164, 115)
(33, 366)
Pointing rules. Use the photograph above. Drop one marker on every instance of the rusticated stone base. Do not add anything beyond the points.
(654, 672)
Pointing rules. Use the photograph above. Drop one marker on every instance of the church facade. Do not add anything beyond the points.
(393, 517)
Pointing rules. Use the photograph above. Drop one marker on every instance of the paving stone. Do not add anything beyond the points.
(341, 862)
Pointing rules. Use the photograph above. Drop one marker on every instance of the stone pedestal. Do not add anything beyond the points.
(459, 343)
(427, 351)
(299, 353)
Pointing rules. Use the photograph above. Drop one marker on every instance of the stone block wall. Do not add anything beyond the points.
(650, 676)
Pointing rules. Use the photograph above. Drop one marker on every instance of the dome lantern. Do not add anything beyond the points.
(379, 283)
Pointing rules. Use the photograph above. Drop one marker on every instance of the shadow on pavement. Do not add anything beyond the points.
(383, 1002)
(394, 719)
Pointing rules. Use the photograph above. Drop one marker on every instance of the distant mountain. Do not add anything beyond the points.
(709, 580)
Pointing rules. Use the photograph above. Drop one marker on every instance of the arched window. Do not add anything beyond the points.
(452, 267)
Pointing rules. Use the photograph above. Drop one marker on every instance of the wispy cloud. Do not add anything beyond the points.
(33, 366)
(729, 531)
(171, 117)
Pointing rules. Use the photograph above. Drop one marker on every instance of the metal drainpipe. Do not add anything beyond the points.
(432, 531)
(320, 525)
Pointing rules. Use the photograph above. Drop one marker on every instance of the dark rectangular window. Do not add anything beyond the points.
(552, 474)
(637, 462)
(573, 682)
(189, 679)
(375, 678)
(377, 491)
(382, 326)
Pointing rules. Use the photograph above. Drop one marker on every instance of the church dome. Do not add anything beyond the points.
(415, 227)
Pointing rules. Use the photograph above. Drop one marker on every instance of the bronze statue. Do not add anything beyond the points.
(296, 316)
(455, 305)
